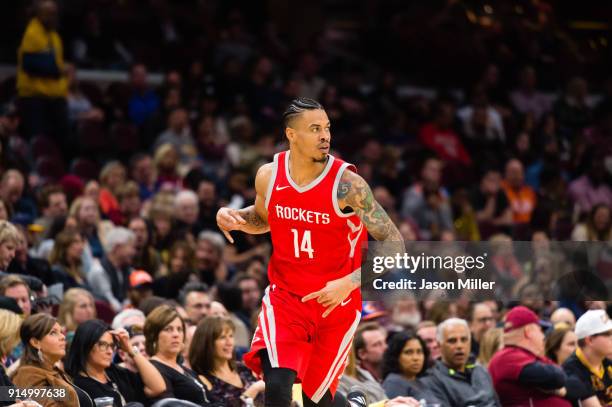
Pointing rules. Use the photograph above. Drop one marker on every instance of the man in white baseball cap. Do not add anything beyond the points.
(589, 369)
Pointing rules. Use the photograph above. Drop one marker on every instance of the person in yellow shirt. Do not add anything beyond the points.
(42, 85)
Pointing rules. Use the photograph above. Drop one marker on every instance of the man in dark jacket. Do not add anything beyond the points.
(452, 380)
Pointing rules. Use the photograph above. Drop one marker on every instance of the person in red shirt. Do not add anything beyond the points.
(318, 212)
(522, 375)
(440, 137)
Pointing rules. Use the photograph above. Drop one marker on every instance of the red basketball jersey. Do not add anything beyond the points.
(313, 240)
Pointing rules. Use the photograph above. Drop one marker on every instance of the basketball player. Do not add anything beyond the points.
(319, 212)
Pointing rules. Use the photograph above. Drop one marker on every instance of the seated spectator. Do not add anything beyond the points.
(560, 344)
(28, 266)
(147, 258)
(127, 318)
(212, 356)
(251, 296)
(426, 330)
(453, 380)
(427, 202)
(90, 364)
(112, 177)
(591, 188)
(140, 287)
(186, 210)
(143, 173)
(179, 270)
(526, 99)
(370, 345)
(87, 215)
(521, 374)
(572, 109)
(144, 102)
(53, 204)
(490, 202)
(80, 107)
(481, 121)
(404, 361)
(66, 260)
(12, 186)
(44, 346)
(195, 298)
(137, 342)
(440, 137)
(356, 376)
(10, 323)
(598, 226)
(491, 342)
(522, 197)
(109, 277)
(166, 159)
(563, 315)
(15, 287)
(589, 368)
(164, 331)
(209, 258)
(178, 133)
(128, 196)
(480, 318)
(77, 307)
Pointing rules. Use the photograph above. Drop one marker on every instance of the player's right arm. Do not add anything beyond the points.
(252, 219)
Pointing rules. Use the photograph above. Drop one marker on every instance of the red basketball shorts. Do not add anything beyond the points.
(297, 337)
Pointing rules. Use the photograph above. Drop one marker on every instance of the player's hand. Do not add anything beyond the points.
(228, 220)
(332, 294)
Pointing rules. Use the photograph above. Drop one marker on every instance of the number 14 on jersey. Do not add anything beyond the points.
(304, 246)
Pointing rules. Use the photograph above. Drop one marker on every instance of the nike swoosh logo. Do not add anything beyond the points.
(279, 188)
(343, 303)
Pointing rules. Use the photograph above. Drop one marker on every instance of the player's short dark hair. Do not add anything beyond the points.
(299, 106)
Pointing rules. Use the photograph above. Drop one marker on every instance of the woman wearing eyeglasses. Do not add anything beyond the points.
(90, 364)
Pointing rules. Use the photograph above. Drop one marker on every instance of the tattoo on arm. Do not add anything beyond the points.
(356, 193)
(254, 221)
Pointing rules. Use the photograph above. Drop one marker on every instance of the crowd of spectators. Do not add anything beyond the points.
(108, 197)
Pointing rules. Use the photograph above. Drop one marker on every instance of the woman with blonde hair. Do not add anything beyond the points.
(492, 341)
(10, 323)
(77, 307)
(10, 239)
(112, 177)
(87, 214)
(66, 259)
(166, 160)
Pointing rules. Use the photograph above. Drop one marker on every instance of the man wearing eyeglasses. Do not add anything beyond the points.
(481, 320)
(589, 370)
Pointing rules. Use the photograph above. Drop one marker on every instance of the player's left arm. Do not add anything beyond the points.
(356, 195)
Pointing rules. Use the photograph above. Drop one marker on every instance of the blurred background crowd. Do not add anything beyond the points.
(471, 120)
